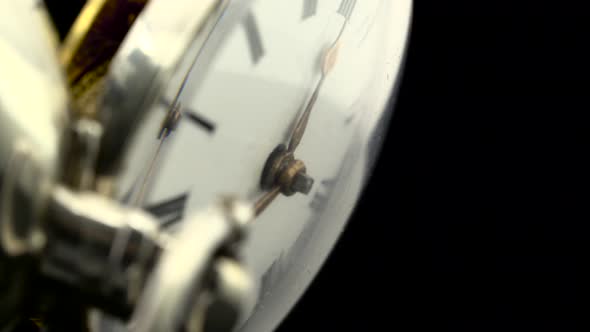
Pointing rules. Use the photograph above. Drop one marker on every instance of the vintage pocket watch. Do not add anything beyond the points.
(184, 164)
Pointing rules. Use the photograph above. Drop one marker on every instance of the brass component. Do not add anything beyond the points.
(328, 61)
(287, 176)
(90, 45)
(330, 58)
(277, 160)
(263, 202)
(282, 174)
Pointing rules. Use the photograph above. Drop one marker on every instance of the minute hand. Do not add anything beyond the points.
(328, 61)
(263, 202)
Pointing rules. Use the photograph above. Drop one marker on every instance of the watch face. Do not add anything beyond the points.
(315, 76)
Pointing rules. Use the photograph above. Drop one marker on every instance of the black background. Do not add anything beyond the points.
(475, 217)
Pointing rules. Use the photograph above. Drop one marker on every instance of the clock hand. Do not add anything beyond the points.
(282, 172)
(295, 181)
(328, 60)
(263, 202)
(168, 125)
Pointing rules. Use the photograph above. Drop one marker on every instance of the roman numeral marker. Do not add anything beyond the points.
(200, 121)
(309, 8)
(169, 211)
(196, 119)
(254, 39)
(346, 8)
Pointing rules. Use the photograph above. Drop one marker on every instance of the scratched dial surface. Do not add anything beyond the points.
(253, 94)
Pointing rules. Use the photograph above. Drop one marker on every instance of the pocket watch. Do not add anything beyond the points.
(176, 165)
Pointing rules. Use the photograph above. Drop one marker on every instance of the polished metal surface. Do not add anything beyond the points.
(83, 137)
(100, 248)
(175, 288)
(85, 230)
(121, 258)
(33, 115)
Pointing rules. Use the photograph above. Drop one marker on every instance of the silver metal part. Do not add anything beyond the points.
(97, 219)
(83, 146)
(99, 247)
(167, 37)
(20, 235)
(176, 289)
(111, 256)
(33, 115)
(154, 46)
(234, 291)
(187, 279)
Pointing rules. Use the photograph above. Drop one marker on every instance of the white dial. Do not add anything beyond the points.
(254, 93)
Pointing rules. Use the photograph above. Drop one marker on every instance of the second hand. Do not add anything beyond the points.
(168, 125)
